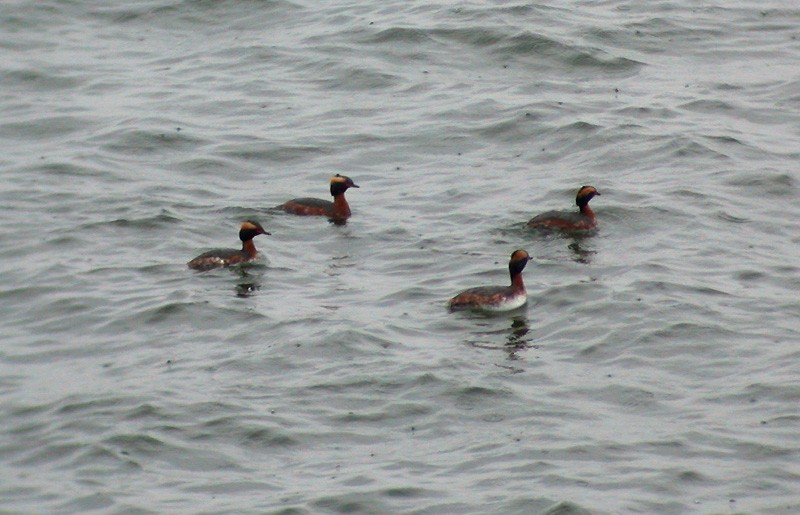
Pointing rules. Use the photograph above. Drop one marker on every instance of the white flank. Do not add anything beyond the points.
(507, 305)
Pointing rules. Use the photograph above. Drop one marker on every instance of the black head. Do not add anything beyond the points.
(340, 183)
(519, 258)
(585, 194)
(250, 230)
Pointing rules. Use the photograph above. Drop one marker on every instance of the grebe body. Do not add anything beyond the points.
(581, 220)
(227, 257)
(338, 209)
(497, 298)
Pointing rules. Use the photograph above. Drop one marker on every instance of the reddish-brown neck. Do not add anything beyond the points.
(586, 210)
(340, 206)
(249, 248)
(516, 282)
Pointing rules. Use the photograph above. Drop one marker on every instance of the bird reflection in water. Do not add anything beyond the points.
(579, 243)
(581, 254)
(339, 265)
(516, 339)
(249, 284)
(247, 289)
(516, 336)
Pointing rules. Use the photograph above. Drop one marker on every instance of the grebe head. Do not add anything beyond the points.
(519, 258)
(250, 230)
(585, 194)
(340, 183)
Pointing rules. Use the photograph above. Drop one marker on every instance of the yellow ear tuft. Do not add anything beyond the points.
(249, 226)
(338, 178)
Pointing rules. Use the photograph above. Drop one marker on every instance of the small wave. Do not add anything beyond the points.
(191, 12)
(132, 141)
(87, 503)
(163, 219)
(189, 313)
(708, 106)
(142, 447)
(475, 36)
(640, 113)
(400, 35)
(567, 508)
(360, 79)
(392, 411)
(49, 127)
(686, 337)
(531, 44)
(63, 170)
(599, 59)
(272, 152)
(684, 147)
(767, 184)
(39, 80)
(727, 217)
(249, 434)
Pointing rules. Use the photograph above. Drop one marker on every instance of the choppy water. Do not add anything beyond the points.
(656, 368)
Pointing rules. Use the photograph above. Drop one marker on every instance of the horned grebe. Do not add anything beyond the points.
(227, 257)
(582, 220)
(497, 298)
(337, 210)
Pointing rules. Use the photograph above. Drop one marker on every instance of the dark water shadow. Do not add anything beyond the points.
(578, 242)
(248, 289)
(581, 252)
(249, 279)
(511, 340)
(278, 212)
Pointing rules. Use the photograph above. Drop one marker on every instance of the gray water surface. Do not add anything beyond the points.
(654, 369)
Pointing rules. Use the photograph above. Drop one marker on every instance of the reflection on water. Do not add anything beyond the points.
(247, 289)
(516, 338)
(580, 253)
(339, 264)
(249, 283)
(579, 247)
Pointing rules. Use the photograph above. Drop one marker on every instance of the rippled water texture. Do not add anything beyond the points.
(654, 369)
